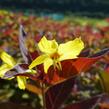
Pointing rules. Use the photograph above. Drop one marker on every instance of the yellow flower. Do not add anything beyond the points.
(52, 53)
(8, 64)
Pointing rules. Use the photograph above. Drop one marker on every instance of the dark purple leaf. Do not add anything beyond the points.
(20, 70)
(23, 49)
(101, 53)
(85, 53)
(57, 94)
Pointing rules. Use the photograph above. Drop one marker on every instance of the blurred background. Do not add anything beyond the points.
(92, 8)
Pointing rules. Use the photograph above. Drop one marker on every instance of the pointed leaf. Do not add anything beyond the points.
(23, 49)
(20, 70)
(101, 53)
(17, 70)
(57, 94)
(84, 53)
(84, 63)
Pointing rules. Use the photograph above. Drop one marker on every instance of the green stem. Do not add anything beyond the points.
(43, 96)
(102, 82)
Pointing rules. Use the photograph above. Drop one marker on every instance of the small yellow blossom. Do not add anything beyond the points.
(53, 53)
(8, 64)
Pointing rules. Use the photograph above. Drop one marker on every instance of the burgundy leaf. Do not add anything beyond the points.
(34, 55)
(55, 76)
(84, 63)
(57, 94)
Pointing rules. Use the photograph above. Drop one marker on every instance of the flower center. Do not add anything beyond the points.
(55, 56)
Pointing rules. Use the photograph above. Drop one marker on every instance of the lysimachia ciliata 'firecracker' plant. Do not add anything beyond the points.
(52, 54)
(54, 65)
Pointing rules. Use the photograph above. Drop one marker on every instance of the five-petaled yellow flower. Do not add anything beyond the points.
(8, 64)
(52, 53)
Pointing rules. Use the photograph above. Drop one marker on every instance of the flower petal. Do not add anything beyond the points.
(21, 82)
(37, 61)
(70, 49)
(47, 63)
(6, 58)
(47, 46)
(3, 69)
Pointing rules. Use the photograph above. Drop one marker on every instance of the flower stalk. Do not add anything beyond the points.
(43, 95)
